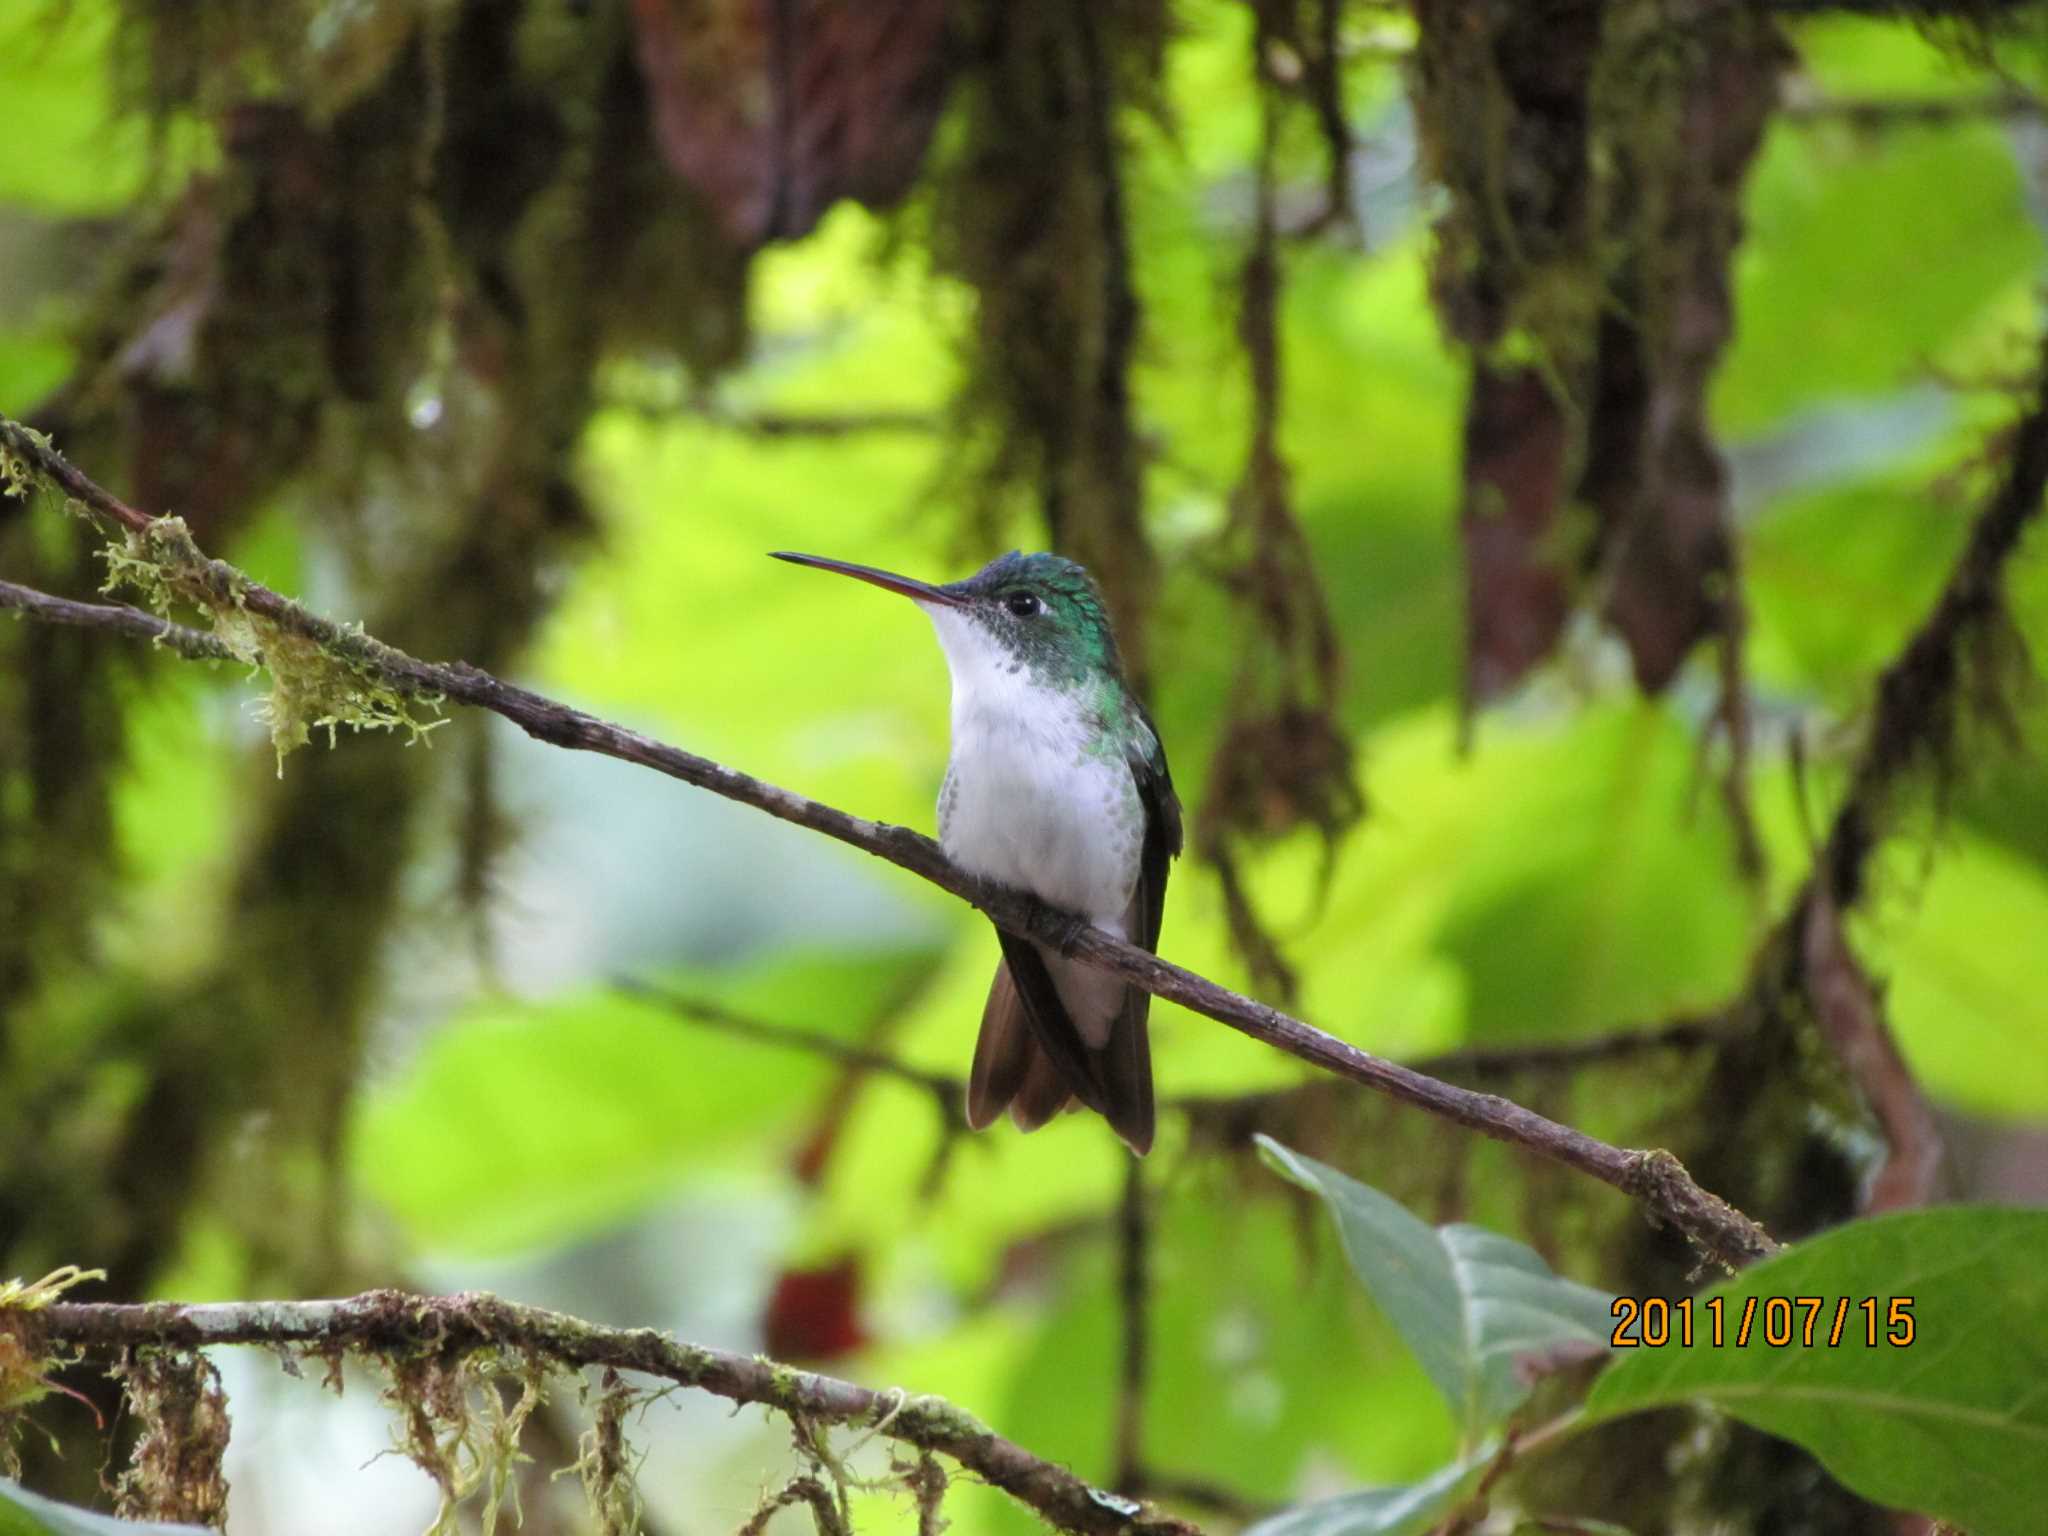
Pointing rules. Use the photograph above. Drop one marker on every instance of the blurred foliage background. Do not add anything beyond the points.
(1513, 438)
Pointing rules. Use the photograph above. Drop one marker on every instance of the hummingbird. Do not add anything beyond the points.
(1057, 785)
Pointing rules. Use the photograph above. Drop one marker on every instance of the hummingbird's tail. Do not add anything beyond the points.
(1030, 1057)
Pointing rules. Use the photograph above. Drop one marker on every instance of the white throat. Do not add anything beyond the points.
(1029, 800)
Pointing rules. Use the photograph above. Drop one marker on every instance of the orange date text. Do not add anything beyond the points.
(1774, 1322)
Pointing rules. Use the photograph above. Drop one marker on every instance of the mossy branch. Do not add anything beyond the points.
(1721, 1232)
(432, 1334)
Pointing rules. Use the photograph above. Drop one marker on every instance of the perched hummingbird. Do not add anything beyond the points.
(1057, 785)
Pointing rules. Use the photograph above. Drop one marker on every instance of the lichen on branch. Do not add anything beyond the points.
(317, 682)
(451, 1358)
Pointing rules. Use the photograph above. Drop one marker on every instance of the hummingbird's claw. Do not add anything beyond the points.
(1072, 929)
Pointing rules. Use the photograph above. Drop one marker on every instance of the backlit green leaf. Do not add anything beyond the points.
(1475, 1307)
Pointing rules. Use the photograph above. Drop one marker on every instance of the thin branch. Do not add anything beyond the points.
(1688, 1032)
(1133, 1245)
(117, 617)
(1227, 1502)
(1655, 1178)
(1736, 718)
(666, 404)
(1851, 1019)
(826, 424)
(397, 1322)
(950, 1091)
(1874, 113)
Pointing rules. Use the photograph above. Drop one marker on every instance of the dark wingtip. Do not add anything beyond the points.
(1135, 1130)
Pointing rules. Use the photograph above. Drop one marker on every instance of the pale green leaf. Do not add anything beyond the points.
(30, 1514)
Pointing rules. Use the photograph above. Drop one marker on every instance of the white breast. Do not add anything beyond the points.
(1026, 801)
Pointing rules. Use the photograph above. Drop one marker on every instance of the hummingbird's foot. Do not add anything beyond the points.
(1071, 930)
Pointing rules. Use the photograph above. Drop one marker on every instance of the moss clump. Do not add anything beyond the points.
(1030, 212)
(319, 678)
(605, 1465)
(175, 1472)
(455, 1425)
(17, 475)
(26, 1368)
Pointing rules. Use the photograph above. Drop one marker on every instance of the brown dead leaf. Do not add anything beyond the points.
(776, 109)
(1517, 587)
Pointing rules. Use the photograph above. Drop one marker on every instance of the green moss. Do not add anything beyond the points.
(25, 1370)
(321, 681)
(604, 1466)
(454, 1424)
(175, 1467)
(1031, 212)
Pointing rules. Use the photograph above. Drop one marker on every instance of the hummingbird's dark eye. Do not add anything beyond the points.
(1022, 604)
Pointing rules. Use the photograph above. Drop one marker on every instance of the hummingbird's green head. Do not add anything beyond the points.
(1037, 613)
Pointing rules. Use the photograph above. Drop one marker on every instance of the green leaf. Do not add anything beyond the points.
(1969, 1011)
(1474, 1306)
(1826, 250)
(1552, 881)
(521, 1124)
(1952, 1424)
(30, 1514)
(1377, 1511)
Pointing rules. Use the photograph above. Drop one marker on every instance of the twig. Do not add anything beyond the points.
(1851, 1019)
(472, 1322)
(1211, 1496)
(1733, 713)
(950, 1091)
(1655, 1178)
(1133, 1240)
(1688, 1032)
(1474, 1508)
(949, 1094)
(786, 424)
(1871, 113)
(117, 617)
(837, 1103)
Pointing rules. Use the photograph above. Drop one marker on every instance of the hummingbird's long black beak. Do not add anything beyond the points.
(888, 581)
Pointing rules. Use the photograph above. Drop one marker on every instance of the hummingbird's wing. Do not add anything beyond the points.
(1125, 1061)
(1013, 1069)
(1003, 1051)
(1162, 840)
(1030, 1055)
(1042, 1094)
(1033, 1016)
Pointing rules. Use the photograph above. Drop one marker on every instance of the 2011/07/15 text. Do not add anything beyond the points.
(1775, 1321)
